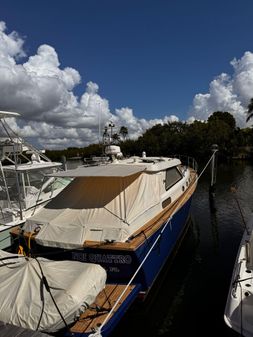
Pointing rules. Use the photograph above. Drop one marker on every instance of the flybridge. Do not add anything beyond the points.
(10, 146)
(24, 185)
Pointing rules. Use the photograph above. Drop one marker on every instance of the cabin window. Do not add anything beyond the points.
(172, 177)
(35, 178)
(166, 202)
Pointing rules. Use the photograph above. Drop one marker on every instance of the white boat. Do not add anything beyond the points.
(111, 202)
(238, 313)
(129, 215)
(24, 184)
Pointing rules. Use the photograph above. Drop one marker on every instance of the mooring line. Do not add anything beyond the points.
(99, 331)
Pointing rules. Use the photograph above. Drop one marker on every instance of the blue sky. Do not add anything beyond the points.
(160, 59)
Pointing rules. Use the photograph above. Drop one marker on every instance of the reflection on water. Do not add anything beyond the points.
(190, 295)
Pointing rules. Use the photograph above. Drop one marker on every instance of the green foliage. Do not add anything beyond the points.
(193, 140)
(250, 110)
(123, 132)
(224, 117)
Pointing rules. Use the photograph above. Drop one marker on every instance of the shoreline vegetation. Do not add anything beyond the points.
(195, 139)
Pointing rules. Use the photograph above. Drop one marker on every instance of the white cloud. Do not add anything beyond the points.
(228, 93)
(11, 44)
(51, 114)
(191, 120)
(43, 94)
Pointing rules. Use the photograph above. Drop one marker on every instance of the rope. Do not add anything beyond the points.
(207, 164)
(241, 280)
(98, 332)
(146, 238)
(234, 190)
(9, 258)
(29, 244)
(21, 250)
(44, 281)
(107, 299)
(196, 180)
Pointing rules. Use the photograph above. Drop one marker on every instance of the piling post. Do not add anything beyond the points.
(214, 149)
(213, 167)
(64, 163)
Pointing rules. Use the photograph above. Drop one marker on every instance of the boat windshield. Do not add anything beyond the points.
(28, 187)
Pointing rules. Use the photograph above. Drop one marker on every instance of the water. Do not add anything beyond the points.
(190, 296)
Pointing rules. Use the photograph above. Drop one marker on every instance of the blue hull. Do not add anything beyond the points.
(122, 264)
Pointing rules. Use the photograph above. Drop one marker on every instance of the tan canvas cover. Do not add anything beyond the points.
(109, 170)
(72, 283)
(98, 209)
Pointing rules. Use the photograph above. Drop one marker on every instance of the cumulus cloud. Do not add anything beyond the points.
(42, 92)
(52, 116)
(231, 93)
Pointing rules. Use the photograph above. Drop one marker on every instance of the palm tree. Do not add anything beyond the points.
(115, 138)
(123, 132)
(250, 110)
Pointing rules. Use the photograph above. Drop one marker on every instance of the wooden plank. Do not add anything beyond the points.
(91, 319)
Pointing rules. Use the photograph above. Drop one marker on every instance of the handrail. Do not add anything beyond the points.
(98, 332)
(187, 160)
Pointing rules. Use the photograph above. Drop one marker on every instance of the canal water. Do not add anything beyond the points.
(190, 295)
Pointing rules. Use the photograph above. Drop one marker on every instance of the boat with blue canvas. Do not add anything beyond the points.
(127, 215)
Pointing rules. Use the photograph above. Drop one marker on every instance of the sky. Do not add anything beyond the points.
(71, 67)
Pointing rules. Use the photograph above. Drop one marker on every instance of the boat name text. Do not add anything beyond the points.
(102, 258)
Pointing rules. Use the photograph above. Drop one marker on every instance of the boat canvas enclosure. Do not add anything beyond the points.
(104, 207)
(25, 302)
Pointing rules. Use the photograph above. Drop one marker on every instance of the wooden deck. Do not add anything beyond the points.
(89, 321)
(92, 318)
